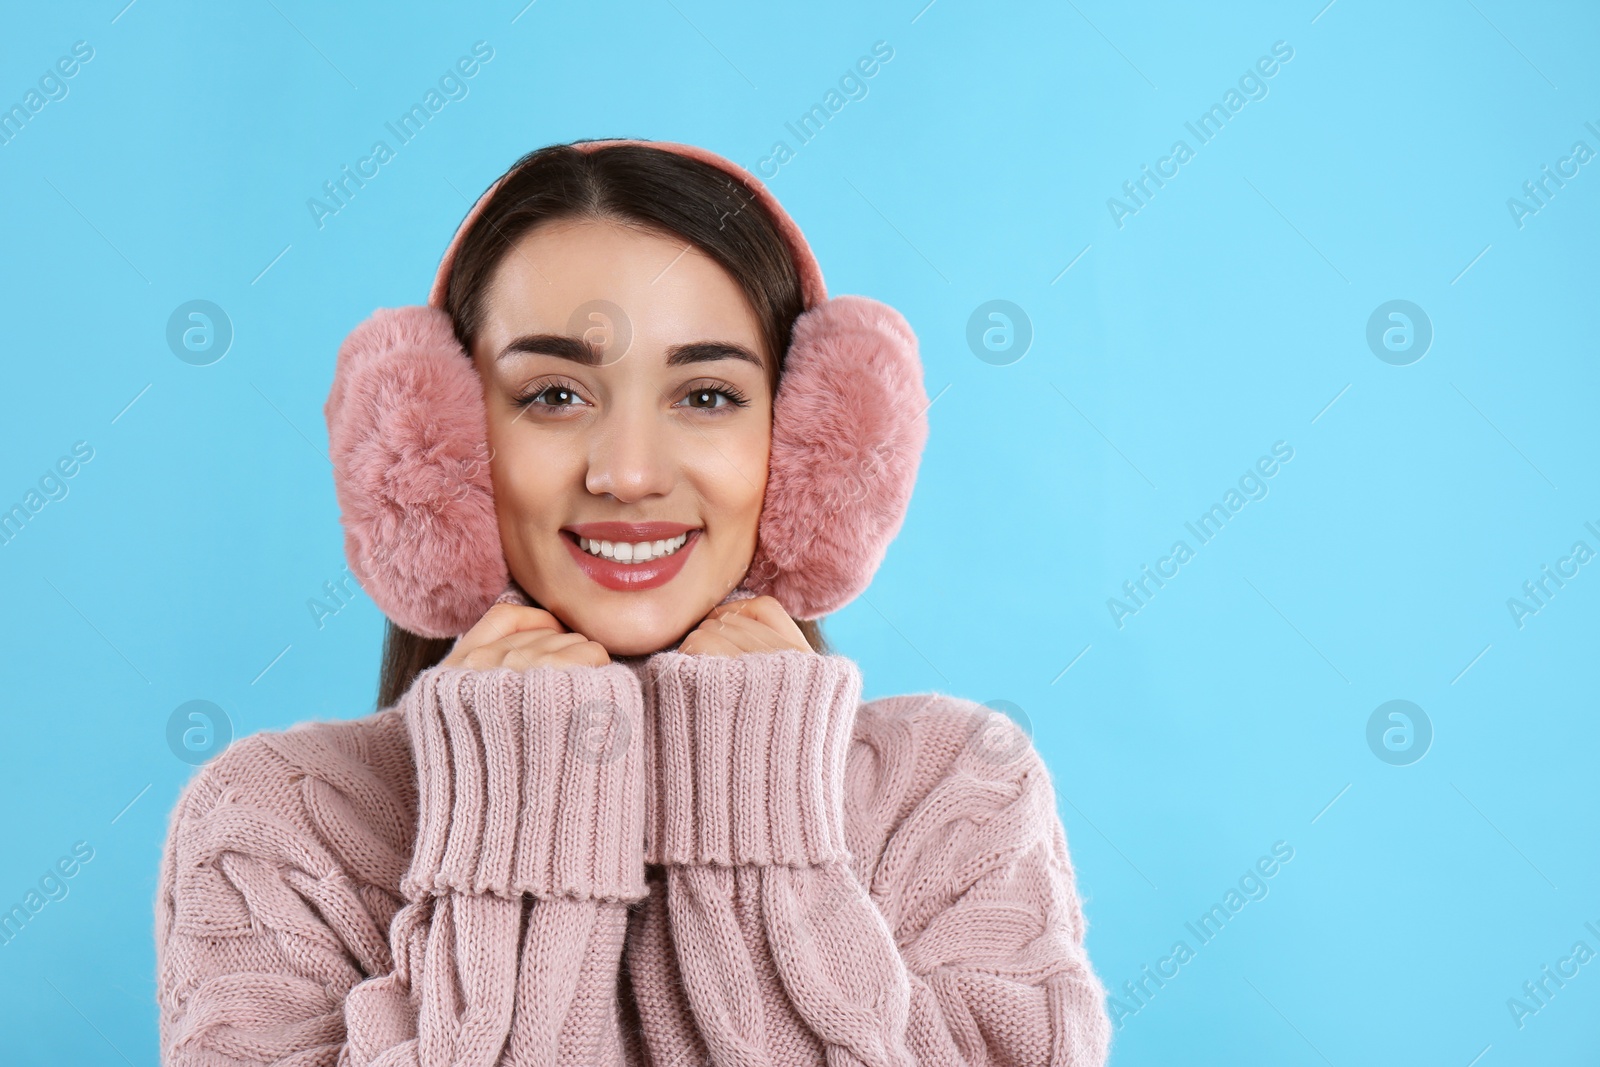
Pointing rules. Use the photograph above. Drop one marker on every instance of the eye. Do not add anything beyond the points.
(705, 397)
(548, 394)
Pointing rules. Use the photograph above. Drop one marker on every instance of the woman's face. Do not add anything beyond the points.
(625, 381)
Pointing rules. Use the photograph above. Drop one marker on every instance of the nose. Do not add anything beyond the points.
(630, 456)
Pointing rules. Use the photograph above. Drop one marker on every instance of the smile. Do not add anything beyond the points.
(630, 557)
(638, 552)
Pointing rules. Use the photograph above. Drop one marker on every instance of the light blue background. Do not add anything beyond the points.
(1228, 314)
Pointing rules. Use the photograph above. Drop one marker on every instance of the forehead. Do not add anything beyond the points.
(558, 276)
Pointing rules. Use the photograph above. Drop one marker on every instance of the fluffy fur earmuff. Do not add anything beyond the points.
(848, 427)
(407, 437)
(408, 441)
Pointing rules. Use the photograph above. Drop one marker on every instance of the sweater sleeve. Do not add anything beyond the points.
(966, 948)
(278, 946)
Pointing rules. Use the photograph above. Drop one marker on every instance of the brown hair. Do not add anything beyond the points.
(636, 185)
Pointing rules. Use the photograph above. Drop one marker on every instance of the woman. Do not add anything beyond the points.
(633, 810)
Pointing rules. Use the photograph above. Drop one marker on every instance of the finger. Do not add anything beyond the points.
(524, 651)
(705, 643)
(500, 621)
(766, 609)
(541, 640)
(756, 635)
(559, 652)
(587, 654)
(741, 631)
(771, 612)
(522, 659)
(733, 607)
(519, 646)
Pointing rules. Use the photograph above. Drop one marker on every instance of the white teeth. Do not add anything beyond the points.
(630, 552)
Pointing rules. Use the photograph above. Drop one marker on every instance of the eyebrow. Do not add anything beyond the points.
(576, 349)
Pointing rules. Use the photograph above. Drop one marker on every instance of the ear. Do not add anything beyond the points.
(848, 427)
(408, 441)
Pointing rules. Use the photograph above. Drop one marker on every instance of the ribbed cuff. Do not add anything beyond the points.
(528, 782)
(745, 757)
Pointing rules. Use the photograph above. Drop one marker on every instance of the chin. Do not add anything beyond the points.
(623, 633)
(621, 639)
(642, 647)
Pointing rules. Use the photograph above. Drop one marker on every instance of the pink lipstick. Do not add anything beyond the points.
(630, 556)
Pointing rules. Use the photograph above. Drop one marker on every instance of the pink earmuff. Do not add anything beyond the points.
(407, 437)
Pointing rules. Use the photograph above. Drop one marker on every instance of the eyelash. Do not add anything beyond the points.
(532, 392)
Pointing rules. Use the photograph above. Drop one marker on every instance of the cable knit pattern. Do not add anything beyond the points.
(970, 953)
(679, 860)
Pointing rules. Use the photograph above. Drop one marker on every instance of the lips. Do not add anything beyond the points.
(628, 531)
(629, 577)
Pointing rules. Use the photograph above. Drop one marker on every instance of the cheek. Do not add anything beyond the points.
(528, 483)
(733, 474)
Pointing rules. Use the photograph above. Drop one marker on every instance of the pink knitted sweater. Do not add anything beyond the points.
(671, 860)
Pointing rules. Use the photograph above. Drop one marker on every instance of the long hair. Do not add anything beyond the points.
(635, 185)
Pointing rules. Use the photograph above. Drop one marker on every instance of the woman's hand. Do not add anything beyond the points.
(521, 638)
(757, 624)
